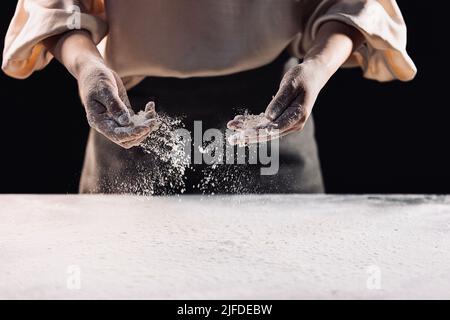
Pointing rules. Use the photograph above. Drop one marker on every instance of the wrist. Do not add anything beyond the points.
(76, 51)
(334, 44)
(83, 63)
(326, 55)
(319, 70)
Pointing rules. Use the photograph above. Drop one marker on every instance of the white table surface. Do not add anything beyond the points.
(224, 247)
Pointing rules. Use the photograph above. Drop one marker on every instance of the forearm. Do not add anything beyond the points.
(101, 90)
(334, 44)
(74, 50)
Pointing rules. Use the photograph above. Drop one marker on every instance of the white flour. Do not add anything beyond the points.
(161, 170)
(169, 152)
(139, 118)
(166, 172)
(251, 121)
(234, 179)
(246, 126)
(224, 178)
(225, 247)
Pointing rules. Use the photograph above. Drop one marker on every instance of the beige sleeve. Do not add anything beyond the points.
(36, 20)
(383, 55)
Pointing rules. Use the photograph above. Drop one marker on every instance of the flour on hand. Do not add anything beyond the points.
(251, 128)
(143, 117)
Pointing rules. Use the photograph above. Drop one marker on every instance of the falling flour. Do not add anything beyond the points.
(168, 151)
(219, 178)
(159, 164)
(163, 166)
(228, 179)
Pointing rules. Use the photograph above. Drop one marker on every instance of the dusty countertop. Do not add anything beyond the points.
(224, 247)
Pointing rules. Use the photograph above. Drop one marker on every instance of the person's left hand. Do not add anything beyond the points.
(289, 109)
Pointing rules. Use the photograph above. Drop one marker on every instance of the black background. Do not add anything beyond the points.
(373, 138)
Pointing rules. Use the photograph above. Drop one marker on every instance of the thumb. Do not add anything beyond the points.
(281, 101)
(118, 110)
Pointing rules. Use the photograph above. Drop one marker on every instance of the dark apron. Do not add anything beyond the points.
(109, 168)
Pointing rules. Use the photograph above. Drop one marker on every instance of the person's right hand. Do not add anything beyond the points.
(108, 109)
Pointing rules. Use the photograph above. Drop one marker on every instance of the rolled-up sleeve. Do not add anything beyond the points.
(383, 55)
(36, 20)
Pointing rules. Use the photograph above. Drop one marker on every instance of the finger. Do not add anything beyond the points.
(257, 133)
(273, 134)
(123, 136)
(241, 122)
(115, 106)
(277, 134)
(130, 133)
(106, 127)
(235, 124)
(239, 117)
(286, 120)
(123, 95)
(294, 115)
(146, 120)
(248, 136)
(242, 140)
(153, 123)
(260, 135)
(135, 142)
(109, 128)
(95, 107)
(150, 112)
(150, 108)
(250, 126)
(152, 116)
(99, 120)
(119, 111)
(284, 97)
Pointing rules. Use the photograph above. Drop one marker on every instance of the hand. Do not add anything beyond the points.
(289, 109)
(108, 109)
